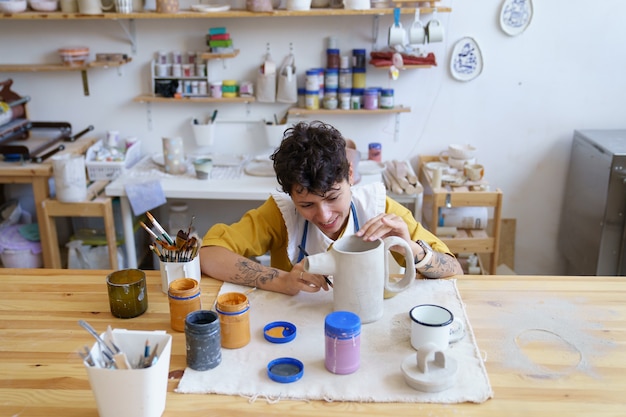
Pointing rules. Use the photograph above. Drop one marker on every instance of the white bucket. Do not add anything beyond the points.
(132, 392)
(174, 270)
(274, 134)
(70, 178)
(203, 134)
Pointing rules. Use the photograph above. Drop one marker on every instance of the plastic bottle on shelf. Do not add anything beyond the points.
(178, 217)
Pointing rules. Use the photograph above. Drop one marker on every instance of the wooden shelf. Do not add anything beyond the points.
(188, 14)
(467, 240)
(61, 66)
(157, 99)
(211, 55)
(298, 111)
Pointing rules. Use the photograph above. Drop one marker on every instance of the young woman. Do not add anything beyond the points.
(318, 206)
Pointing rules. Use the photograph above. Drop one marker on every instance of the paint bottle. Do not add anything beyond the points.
(233, 311)
(184, 297)
(370, 99)
(375, 152)
(343, 342)
(203, 338)
(386, 98)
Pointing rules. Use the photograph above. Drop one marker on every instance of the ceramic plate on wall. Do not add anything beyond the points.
(466, 62)
(515, 16)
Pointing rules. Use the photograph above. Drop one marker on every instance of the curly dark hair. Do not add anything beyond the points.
(311, 157)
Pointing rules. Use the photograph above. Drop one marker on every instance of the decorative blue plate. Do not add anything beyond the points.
(466, 62)
(515, 16)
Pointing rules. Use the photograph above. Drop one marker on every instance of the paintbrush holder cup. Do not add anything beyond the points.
(204, 135)
(171, 271)
(132, 392)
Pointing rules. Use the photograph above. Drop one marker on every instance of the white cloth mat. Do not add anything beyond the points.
(384, 345)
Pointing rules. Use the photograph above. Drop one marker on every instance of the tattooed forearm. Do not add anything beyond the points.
(440, 265)
(253, 274)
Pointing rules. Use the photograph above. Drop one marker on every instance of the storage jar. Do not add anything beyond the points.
(184, 297)
(342, 342)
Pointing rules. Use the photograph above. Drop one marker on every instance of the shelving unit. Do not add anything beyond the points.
(189, 14)
(63, 67)
(299, 111)
(467, 240)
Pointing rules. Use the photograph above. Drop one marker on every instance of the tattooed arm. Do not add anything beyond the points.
(220, 263)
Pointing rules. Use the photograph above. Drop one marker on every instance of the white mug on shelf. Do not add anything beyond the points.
(417, 33)
(93, 6)
(396, 34)
(435, 31)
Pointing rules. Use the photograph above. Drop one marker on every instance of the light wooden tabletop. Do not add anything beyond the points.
(553, 346)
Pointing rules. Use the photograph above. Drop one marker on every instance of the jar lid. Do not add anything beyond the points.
(332, 51)
(279, 332)
(342, 324)
(358, 52)
(358, 70)
(178, 206)
(285, 370)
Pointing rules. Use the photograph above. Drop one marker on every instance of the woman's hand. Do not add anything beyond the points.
(299, 280)
(384, 225)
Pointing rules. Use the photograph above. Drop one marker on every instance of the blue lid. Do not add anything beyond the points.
(371, 91)
(285, 370)
(358, 70)
(357, 91)
(387, 91)
(342, 324)
(312, 71)
(301, 90)
(279, 332)
(332, 51)
(358, 52)
(332, 70)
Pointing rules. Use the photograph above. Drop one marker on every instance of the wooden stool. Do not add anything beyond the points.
(94, 206)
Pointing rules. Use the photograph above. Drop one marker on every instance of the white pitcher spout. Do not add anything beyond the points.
(321, 263)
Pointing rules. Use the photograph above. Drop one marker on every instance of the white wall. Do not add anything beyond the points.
(564, 73)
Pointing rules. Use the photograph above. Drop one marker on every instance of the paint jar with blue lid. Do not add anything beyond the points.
(343, 342)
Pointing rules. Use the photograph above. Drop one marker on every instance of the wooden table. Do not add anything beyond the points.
(38, 176)
(41, 374)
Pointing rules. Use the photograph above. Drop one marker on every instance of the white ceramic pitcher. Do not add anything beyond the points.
(360, 273)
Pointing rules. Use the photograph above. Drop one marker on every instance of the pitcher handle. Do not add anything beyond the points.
(409, 270)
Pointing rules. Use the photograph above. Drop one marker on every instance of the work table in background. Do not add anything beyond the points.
(552, 345)
(223, 185)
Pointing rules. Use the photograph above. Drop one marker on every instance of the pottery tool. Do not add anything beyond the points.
(328, 281)
(156, 224)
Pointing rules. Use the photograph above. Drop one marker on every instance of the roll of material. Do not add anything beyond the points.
(464, 217)
(447, 231)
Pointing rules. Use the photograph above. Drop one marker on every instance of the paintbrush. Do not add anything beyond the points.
(149, 231)
(330, 284)
(160, 228)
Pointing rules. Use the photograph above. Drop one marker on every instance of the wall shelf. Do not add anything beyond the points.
(62, 67)
(188, 14)
(298, 111)
(158, 99)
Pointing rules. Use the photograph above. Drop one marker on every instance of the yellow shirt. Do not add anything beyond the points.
(263, 230)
